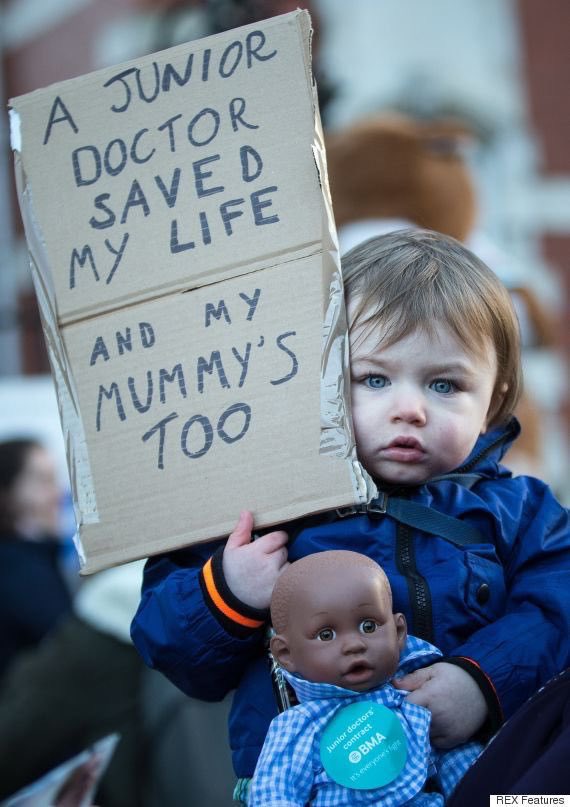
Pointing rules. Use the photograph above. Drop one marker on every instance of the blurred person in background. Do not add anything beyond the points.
(81, 683)
(86, 680)
(34, 593)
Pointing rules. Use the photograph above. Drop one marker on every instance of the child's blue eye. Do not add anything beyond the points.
(376, 381)
(442, 385)
(326, 635)
(367, 626)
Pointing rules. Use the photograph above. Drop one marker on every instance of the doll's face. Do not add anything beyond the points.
(342, 631)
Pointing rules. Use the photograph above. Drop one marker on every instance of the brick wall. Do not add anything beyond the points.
(544, 28)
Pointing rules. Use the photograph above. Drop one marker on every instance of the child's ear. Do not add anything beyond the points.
(281, 653)
(401, 629)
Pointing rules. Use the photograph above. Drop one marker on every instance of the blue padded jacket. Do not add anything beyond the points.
(499, 609)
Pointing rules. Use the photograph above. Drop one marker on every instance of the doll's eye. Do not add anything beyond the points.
(326, 635)
(368, 626)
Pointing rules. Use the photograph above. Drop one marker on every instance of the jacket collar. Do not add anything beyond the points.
(490, 448)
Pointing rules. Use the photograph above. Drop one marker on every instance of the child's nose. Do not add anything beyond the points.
(409, 406)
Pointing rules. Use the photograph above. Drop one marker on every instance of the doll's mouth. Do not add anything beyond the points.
(358, 673)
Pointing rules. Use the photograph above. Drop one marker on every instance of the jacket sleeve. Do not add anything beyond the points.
(189, 626)
(519, 652)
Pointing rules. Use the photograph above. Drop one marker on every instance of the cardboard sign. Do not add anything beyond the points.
(184, 255)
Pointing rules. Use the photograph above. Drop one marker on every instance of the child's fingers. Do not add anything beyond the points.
(420, 697)
(273, 541)
(242, 531)
(414, 680)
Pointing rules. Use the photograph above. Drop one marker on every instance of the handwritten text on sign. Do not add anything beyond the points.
(158, 388)
(186, 143)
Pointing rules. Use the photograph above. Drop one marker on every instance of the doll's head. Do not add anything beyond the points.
(332, 614)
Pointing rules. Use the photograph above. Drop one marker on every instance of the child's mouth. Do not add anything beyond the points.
(404, 449)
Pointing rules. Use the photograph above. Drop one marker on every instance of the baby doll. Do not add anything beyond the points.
(353, 738)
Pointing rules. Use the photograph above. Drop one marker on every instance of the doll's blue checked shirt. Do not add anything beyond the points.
(290, 773)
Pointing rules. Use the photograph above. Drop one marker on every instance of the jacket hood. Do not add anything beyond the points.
(489, 450)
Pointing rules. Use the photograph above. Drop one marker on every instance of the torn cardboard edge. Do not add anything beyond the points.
(81, 479)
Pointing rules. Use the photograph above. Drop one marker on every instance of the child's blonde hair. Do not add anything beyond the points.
(412, 279)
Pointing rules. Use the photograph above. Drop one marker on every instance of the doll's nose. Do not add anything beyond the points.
(353, 643)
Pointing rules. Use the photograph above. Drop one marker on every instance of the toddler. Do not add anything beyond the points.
(481, 570)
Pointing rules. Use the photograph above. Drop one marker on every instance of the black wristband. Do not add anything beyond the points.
(235, 616)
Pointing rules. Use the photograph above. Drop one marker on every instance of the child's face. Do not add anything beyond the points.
(343, 631)
(418, 405)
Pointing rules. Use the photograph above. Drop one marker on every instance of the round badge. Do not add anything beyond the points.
(364, 746)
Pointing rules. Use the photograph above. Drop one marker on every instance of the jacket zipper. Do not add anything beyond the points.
(418, 589)
(510, 429)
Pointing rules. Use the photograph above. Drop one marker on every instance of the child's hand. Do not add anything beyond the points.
(251, 568)
(455, 701)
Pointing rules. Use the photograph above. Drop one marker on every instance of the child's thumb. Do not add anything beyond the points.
(242, 531)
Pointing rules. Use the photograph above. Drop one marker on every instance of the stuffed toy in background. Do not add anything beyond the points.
(388, 172)
(385, 169)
